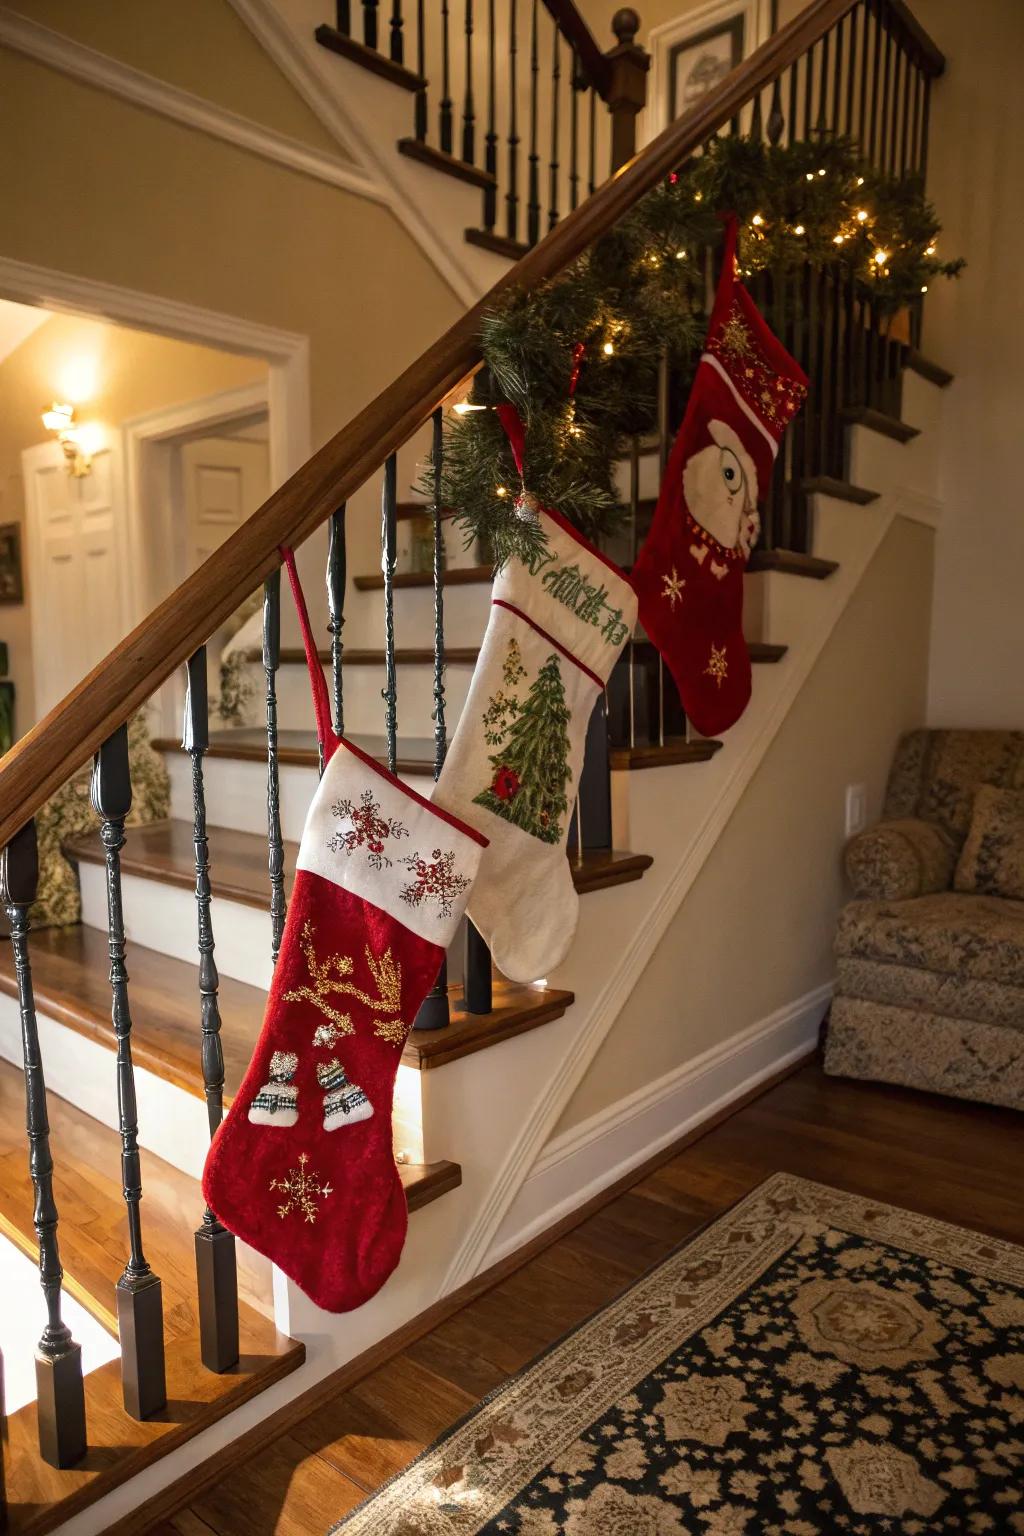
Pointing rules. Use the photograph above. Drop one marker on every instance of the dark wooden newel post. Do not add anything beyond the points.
(139, 1293)
(627, 92)
(216, 1270)
(59, 1387)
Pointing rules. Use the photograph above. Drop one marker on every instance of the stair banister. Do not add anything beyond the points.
(72, 731)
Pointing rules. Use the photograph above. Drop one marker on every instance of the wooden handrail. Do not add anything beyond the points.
(578, 35)
(73, 730)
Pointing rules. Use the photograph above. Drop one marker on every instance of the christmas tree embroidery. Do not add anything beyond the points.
(531, 766)
(369, 829)
(503, 707)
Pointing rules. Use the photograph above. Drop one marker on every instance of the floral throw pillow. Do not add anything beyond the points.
(992, 860)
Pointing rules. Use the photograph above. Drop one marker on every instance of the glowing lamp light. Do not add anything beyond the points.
(59, 417)
(78, 443)
(465, 406)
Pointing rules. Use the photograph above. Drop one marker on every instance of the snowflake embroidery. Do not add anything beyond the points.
(436, 882)
(369, 829)
(734, 337)
(718, 666)
(672, 588)
(301, 1191)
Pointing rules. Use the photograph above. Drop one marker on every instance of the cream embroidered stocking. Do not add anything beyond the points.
(555, 631)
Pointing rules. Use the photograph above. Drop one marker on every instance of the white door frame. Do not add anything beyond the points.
(147, 476)
(661, 41)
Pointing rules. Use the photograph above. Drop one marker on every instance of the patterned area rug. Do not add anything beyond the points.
(812, 1362)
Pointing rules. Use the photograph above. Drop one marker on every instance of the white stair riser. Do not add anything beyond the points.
(236, 794)
(364, 706)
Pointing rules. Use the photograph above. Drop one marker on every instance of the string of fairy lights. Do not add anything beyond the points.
(579, 356)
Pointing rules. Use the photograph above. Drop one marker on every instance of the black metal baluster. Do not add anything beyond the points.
(216, 1270)
(925, 114)
(275, 842)
(512, 195)
(477, 980)
(776, 122)
(139, 1293)
(756, 128)
(433, 1013)
(851, 73)
(533, 198)
(59, 1387)
(576, 84)
(876, 65)
(902, 164)
(915, 123)
(556, 81)
(491, 136)
(794, 99)
(592, 170)
(397, 42)
(837, 75)
(344, 18)
(389, 545)
(370, 23)
(446, 80)
(336, 574)
(468, 104)
(865, 54)
(883, 139)
(420, 110)
(821, 124)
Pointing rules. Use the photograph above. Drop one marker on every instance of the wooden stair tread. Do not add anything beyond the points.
(405, 656)
(93, 1241)
(163, 851)
(458, 576)
(500, 245)
(368, 58)
(792, 563)
(298, 749)
(879, 421)
(653, 755)
(69, 974)
(842, 490)
(448, 165)
(515, 1009)
(928, 369)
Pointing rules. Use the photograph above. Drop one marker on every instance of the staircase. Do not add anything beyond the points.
(477, 1099)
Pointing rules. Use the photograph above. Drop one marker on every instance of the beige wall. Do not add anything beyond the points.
(200, 45)
(976, 328)
(755, 931)
(134, 373)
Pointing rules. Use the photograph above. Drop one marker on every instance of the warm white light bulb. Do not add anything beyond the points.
(929, 250)
(680, 255)
(881, 257)
(821, 173)
(799, 230)
(757, 220)
(608, 349)
(838, 239)
(501, 490)
(861, 215)
(860, 181)
(924, 287)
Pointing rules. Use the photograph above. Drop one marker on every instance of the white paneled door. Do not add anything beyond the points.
(224, 480)
(77, 565)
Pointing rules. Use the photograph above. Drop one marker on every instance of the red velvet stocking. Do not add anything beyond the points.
(689, 573)
(303, 1167)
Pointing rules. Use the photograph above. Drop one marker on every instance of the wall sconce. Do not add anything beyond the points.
(73, 439)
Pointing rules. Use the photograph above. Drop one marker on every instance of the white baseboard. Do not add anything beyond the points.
(592, 1155)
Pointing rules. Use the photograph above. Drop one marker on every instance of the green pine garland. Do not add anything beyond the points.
(639, 292)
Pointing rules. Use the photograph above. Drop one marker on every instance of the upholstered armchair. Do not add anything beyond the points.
(930, 976)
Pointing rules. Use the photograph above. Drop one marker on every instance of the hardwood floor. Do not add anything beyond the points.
(948, 1159)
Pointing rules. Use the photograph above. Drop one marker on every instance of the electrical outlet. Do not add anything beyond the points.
(856, 808)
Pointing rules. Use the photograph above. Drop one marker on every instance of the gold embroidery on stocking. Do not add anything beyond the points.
(331, 977)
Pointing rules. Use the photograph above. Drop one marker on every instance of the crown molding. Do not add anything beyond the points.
(81, 62)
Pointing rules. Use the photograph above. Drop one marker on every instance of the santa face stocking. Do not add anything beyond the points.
(303, 1167)
(512, 770)
(689, 573)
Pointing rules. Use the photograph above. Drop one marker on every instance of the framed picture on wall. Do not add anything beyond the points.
(12, 588)
(697, 64)
(694, 51)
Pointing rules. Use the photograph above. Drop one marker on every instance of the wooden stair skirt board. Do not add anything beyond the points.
(457, 576)
(879, 421)
(369, 58)
(449, 165)
(499, 245)
(69, 971)
(40, 1497)
(792, 563)
(655, 755)
(163, 850)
